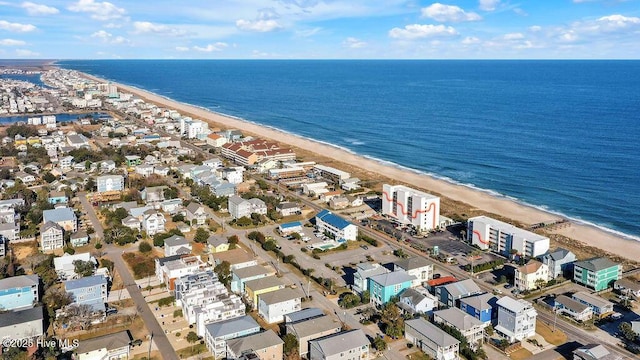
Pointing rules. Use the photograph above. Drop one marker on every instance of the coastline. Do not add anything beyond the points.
(589, 235)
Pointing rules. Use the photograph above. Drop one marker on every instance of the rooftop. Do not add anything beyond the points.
(341, 342)
(332, 219)
(278, 296)
(412, 263)
(431, 331)
(59, 214)
(595, 264)
(514, 305)
(19, 281)
(255, 342)
(303, 315)
(109, 342)
(592, 299)
(530, 268)
(313, 326)
(85, 282)
(462, 288)
(571, 304)
(251, 271)
(176, 240)
(392, 278)
(458, 319)
(480, 302)
(263, 283)
(509, 229)
(228, 327)
(13, 318)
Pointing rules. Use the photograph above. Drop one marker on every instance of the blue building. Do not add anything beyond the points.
(338, 227)
(56, 197)
(385, 286)
(450, 294)
(90, 290)
(19, 292)
(480, 306)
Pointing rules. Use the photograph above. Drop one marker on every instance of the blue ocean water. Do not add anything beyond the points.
(60, 118)
(560, 135)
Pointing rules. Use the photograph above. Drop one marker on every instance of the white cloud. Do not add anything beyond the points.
(535, 28)
(470, 40)
(38, 9)
(513, 36)
(258, 25)
(417, 31)
(146, 27)
(488, 5)
(99, 10)
(16, 27)
(308, 32)
(26, 53)
(182, 48)
(108, 38)
(12, 42)
(448, 13)
(219, 46)
(353, 43)
(617, 21)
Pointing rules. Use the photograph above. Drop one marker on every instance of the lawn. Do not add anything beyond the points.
(141, 265)
(521, 354)
(190, 350)
(553, 337)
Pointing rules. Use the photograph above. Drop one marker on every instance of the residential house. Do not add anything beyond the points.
(198, 280)
(65, 267)
(22, 324)
(239, 207)
(347, 345)
(90, 290)
(77, 141)
(286, 208)
(216, 140)
(107, 166)
(51, 236)
(234, 175)
(263, 285)
(26, 178)
(531, 276)
(385, 286)
(303, 315)
(196, 214)
(311, 329)
(594, 352)
(627, 287)
(570, 307)
(431, 340)
(132, 160)
(106, 347)
(274, 305)
(177, 245)
(132, 223)
(450, 294)
(79, 238)
(144, 170)
(153, 195)
(213, 163)
(560, 262)
(417, 266)
(19, 292)
(363, 272)
(217, 333)
(152, 222)
(471, 328)
(240, 276)
(10, 231)
(65, 163)
(480, 306)
(597, 273)
(56, 197)
(266, 345)
(170, 268)
(217, 243)
(290, 228)
(516, 319)
(108, 183)
(412, 301)
(171, 206)
(338, 202)
(65, 217)
(238, 258)
(600, 306)
(336, 226)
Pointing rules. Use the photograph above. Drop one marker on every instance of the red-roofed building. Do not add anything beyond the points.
(431, 284)
(216, 140)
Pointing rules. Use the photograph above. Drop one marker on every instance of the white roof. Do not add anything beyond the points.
(513, 304)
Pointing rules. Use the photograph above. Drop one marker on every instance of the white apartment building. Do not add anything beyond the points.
(274, 305)
(516, 319)
(411, 207)
(500, 237)
(210, 303)
(109, 183)
(170, 268)
(338, 227)
(239, 207)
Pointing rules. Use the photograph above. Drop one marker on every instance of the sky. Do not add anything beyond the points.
(320, 29)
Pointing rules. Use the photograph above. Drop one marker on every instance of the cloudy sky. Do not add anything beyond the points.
(320, 29)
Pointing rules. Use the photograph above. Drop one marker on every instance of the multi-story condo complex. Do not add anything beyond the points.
(516, 319)
(411, 207)
(597, 273)
(503, 238)
(338, 227)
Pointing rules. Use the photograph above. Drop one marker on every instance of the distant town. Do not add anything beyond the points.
(133, 231)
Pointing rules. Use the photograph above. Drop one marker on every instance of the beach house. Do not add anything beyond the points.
(531, 276)
(431, 340)
(335, 226)
(596, 273)
(274, 305)
(450, 294)
(266, 345)
(560, 262)
(311, 329)
(417, 266)
(19, 292)
(385, 286)
(354, 344)
(516, 319)
(217, 333)
(90, 290)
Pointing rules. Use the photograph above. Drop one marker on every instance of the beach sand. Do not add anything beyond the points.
(588, 235)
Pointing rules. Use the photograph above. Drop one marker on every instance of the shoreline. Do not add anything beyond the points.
(477, 199)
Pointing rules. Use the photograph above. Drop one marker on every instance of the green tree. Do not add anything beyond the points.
(290, 347)
(192, 338)
(233, 241)
(223, 270)
(144, 247)
(48, 177)
(83, 268)
(349, 300)
(296, 236)
(107, 264)
(365, 297)
(379, 344)
(627, 331)
(90, 185)
(269, 245)
(201, 236)
(170, 192)
(244, 221)
(177, 218)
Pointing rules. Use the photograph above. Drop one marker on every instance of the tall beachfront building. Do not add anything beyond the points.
(411, 206)
(498, 236)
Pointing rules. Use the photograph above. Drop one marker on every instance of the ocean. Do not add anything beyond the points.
(559, 135)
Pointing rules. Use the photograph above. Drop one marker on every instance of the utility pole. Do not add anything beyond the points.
(555, 317)
(150, 342)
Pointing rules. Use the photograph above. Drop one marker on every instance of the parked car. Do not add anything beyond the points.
(436, 276)
(364, 247)
(508, 286)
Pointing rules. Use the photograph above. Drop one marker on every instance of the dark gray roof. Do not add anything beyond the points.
(302, 315)
(109, 342)
(341, 342)
(215, 240)
(22, 316)
(559, 254)
(415, 296)
(462, 288)
(458, 319)
(411, 263)
(596, 264)
(571, 304)
(256, 342)
(176, 240)
(431, 331)
(193, 207)
(19, 281)
(49, 225)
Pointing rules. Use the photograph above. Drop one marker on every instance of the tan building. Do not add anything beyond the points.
(265, 345)
(312, 329)
(531, 276)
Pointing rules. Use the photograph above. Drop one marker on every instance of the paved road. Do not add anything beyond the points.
(115, 254)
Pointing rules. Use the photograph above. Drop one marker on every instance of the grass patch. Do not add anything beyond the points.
(553, 337)
(418, 355)
(521, 354)
(141, 265)
(190, 351)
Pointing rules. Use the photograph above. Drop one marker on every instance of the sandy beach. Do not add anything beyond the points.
(588, 235)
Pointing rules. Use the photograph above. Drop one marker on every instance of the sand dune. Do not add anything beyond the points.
(589, 235)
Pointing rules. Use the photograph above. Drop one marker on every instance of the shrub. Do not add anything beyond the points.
(177, 313)
(98, 245)
(144, 247)
(167, 301)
